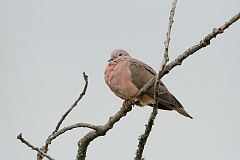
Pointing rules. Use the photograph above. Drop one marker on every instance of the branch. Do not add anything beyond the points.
(68, 128)
(165, 58)
(143, 138)
(166, 44)
(54, 133)
(178, 61)
(74, 104)
(33, 147)
(100, 131)
(203, 43)
(85, 141)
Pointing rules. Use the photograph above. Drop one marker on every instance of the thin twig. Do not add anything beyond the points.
(74, 104)
(143, 138)
(33, 147)
(203, 43)
(101, 131)
(166, 58)
(166, 44)
(45, 147)
(68, 128)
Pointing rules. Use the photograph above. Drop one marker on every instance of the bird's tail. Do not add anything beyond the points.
(179, 109)
(182, 112)
(169, 101)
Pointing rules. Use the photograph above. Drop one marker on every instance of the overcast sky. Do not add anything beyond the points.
(45, 45)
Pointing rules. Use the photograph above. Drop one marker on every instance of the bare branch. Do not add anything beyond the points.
(74, 104)
(166, 68)
(203, 43)
(33, 147)
(101, 131)
(146, 86)
(143, 138)
(165, 58)
(166, 44)
(48, 141)
(68, 128)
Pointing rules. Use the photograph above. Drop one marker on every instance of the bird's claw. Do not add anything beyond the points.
(129, 102)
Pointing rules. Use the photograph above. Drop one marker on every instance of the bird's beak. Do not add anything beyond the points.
(110, 59)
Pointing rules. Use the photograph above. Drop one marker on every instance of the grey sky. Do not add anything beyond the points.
(46, 45)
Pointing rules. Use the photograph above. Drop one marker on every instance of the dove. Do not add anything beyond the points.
(125, 76)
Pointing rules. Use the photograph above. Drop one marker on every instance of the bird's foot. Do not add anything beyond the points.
(130, 102)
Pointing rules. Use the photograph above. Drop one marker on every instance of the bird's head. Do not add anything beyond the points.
(118, 54)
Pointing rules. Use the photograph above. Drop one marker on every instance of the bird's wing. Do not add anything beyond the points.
(141, 72)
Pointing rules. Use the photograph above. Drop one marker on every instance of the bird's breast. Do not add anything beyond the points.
(119, 79)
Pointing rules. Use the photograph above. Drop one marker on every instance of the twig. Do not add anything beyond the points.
(166, 44)
(203, 43)
(33, 147)
(165, 58)
(74, 104)
(68, 128)
(145, 87)
(143, 138)
(45, 147)
(101, 131)
(178, 61)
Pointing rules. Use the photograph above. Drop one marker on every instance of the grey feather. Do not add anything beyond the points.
(141, 74)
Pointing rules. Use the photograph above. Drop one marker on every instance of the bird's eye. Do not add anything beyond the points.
(120, 54)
